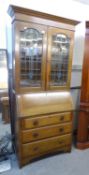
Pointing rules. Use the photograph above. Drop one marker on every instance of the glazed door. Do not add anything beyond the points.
(60, 47)
(30, 56)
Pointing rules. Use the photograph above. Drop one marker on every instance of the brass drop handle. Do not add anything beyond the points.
(35, 123)
(62, 118)
(61, 129)
(60, 142)
(35, 148)
(35, 135)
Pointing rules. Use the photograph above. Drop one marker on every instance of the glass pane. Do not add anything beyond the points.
(59, 60)
(31, 57)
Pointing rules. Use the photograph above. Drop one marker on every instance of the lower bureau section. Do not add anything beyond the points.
(35, 149)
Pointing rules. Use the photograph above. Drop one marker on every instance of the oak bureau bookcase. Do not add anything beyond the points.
(40, 100)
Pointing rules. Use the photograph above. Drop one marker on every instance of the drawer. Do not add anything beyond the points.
(45, 120)
(44, 132)
(46, 145)
(29, 159)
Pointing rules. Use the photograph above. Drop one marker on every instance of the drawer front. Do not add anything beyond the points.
(45, 120)
(25, 160)
(46, 145)
(41, 133)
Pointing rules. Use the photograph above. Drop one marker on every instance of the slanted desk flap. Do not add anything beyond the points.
(43, 103)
